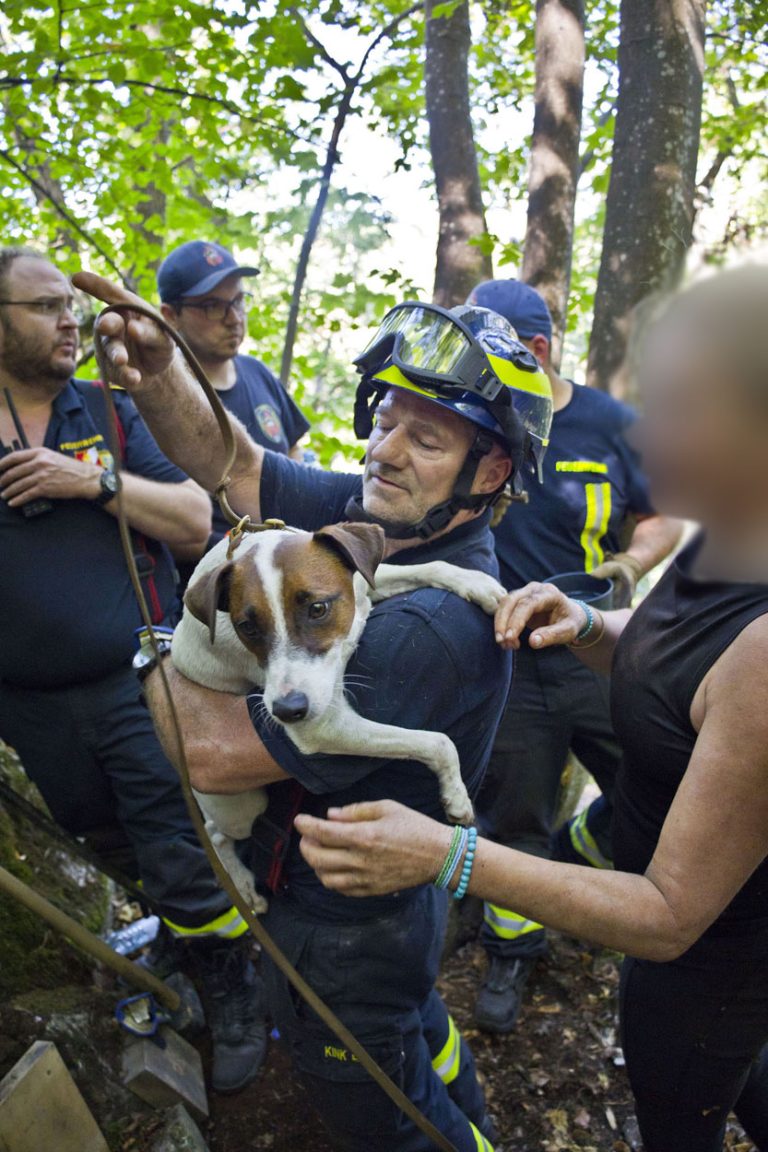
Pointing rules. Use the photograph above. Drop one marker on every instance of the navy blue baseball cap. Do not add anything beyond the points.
(196, 268)
(518, 303)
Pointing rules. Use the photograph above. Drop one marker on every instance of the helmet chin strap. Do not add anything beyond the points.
(440, 515)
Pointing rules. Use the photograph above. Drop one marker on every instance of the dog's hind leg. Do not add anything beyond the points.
(242, 876)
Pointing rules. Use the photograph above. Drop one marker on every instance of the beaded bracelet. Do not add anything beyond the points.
(590, 620)
(445, 875)
(469, 859)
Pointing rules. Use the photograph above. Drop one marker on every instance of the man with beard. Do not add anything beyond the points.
(69, 700)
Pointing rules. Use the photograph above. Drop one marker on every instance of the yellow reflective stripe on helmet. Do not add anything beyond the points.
(483, 1145)
(537, 383)
(585, 844)
(446, 1063)
(595, 524)
(229, 926)
(508, 925)
(581, 466)
(392, 375)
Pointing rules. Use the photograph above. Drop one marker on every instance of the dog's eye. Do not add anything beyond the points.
(248, 627)
(318, 610)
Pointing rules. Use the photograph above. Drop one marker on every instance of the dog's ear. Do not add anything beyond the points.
(210, 594)
(361, 546)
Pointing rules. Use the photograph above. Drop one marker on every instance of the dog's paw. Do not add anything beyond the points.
(458, 806)
(481, 589)
(247, 889)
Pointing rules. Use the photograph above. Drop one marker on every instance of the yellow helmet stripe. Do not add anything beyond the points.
(534, 383)
(537, 383)
(392, 375)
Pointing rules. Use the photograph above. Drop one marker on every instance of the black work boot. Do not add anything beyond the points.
(500, 997)
(233, 995)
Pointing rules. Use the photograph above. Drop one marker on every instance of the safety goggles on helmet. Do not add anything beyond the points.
(431, 346)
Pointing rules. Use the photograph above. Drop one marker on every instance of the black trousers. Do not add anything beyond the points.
(695, 1038)
(556, 704)
(92, 751)
(378, 975)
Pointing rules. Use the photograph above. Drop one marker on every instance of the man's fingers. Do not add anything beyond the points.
(564, 632)
(355, 813)
(103, 289)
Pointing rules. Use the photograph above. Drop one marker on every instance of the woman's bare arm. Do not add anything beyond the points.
(715, 835)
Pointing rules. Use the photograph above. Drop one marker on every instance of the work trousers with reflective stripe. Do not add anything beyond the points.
(556, 705)
(378, 975)
(92, 751)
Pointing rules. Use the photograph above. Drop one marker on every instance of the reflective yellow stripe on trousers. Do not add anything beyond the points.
(585, 844)
(483, 1145)
(229, 926)
(508, 925)
(446, 1063)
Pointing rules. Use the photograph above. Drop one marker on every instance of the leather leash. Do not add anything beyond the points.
(240, 525)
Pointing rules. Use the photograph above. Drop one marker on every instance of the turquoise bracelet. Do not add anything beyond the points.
(590, 620)
(469, 859)
(445, 874)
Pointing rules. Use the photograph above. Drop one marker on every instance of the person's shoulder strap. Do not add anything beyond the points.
(92, 392)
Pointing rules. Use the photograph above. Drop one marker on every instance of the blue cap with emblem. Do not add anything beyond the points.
(196, 268)
(522, 306)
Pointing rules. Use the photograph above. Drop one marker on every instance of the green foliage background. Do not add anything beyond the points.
(128, 127)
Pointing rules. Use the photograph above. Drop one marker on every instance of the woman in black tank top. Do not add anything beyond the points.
(688, 901)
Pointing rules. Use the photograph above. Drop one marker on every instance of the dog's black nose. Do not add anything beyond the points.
(291, 707)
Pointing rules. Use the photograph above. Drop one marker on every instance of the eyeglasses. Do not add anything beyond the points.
(50, 306)
(219, 309)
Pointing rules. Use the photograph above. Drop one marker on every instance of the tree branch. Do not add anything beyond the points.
(351, 84)
(168, 90)
(384, 34)
(342, 69)
(63, 212)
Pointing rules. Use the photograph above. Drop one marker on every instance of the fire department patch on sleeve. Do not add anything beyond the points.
(269, 422)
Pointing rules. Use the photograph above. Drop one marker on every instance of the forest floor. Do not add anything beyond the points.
(556, 1084)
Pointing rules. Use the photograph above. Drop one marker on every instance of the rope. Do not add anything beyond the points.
(318, 1006)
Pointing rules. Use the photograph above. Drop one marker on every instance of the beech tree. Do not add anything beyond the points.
(460, 263)
(650, 202)
(554, 165)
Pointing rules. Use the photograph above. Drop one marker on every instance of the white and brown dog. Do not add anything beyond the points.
(285, 614)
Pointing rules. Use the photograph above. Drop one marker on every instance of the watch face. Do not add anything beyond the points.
(109, 483)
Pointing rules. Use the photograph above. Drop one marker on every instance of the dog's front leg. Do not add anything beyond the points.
(477, 587)
(348, 734)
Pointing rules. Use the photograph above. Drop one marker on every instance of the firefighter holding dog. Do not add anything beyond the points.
(452, 406)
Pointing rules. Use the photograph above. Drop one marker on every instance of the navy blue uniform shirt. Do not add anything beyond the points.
(262, 404)
(427, 659)
(592, 481)
(68, 608)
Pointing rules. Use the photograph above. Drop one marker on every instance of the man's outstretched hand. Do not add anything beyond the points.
(134, 347)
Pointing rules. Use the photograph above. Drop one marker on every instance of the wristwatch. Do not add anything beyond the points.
(145, 660)
(109, 483)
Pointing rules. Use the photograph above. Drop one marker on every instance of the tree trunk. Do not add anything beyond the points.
(460, 264)
(650, 204)
(555, 156)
